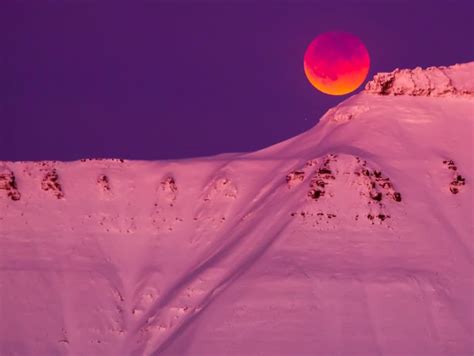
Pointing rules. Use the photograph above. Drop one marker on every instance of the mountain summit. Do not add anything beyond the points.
(353, 238)
(456, 80)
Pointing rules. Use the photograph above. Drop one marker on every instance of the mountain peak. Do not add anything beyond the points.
(455, 80)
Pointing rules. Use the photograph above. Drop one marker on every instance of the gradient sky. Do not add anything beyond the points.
(170, 79)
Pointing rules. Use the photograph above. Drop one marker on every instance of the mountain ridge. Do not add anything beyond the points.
(353, 237)
(441, 81)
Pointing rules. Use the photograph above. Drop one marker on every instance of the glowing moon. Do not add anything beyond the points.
(336, 63)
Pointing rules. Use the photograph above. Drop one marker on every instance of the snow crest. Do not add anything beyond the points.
(454, 80)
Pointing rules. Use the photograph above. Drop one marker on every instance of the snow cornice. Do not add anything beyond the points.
(455, 81)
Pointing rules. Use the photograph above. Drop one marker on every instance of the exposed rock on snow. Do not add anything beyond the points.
(457, 180)
(169, 190)
(323, 177)
(51, 183)
(376, 183)
(111, 160)
(163, 214)
(294, 178)
(221, 187)
(8, 183)
(334, 176)
(219, 197)
(432, 81)
(104, 183)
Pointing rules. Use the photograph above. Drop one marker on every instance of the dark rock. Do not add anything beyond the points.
(8, 183)
(51, 182)
(397, 197)
(376, 197)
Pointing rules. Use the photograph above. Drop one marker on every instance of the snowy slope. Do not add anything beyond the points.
(354, 238)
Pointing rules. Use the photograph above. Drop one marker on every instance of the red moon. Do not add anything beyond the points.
(336, 63)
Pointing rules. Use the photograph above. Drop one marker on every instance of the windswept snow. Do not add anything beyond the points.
(354, 238)
(456, 80)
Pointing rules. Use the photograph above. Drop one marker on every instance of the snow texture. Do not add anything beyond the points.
(353, 238)
(456, 80)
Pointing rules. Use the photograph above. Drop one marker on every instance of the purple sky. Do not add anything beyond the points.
(173, 80)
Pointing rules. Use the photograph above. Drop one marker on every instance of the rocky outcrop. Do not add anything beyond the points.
(322, 177)
(169, 190)
(294, 178)
(432, 81)
(377, 184)
(8, 183)
(104, 183)
(51, 183)
(339, 184)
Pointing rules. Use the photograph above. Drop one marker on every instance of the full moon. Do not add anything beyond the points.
(336, 63)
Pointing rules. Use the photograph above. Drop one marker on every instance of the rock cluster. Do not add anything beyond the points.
(104, 182)
(432, 81)
(379, 188)
(321, 178)
(51, 183)
(377, 184)
(333, 176)
(8, 183)
(294, 178)
(457, 180)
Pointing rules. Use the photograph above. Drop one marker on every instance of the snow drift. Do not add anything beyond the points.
(354, 238)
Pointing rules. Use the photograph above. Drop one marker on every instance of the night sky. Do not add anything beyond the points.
(164, 80)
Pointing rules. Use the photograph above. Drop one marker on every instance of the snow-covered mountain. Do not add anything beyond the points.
(354, 238)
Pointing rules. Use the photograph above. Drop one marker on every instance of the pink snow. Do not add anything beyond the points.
(353, 238)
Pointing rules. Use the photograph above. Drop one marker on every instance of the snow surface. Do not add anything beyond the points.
(354, 238)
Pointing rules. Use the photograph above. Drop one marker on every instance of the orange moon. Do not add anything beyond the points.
(336, 63)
